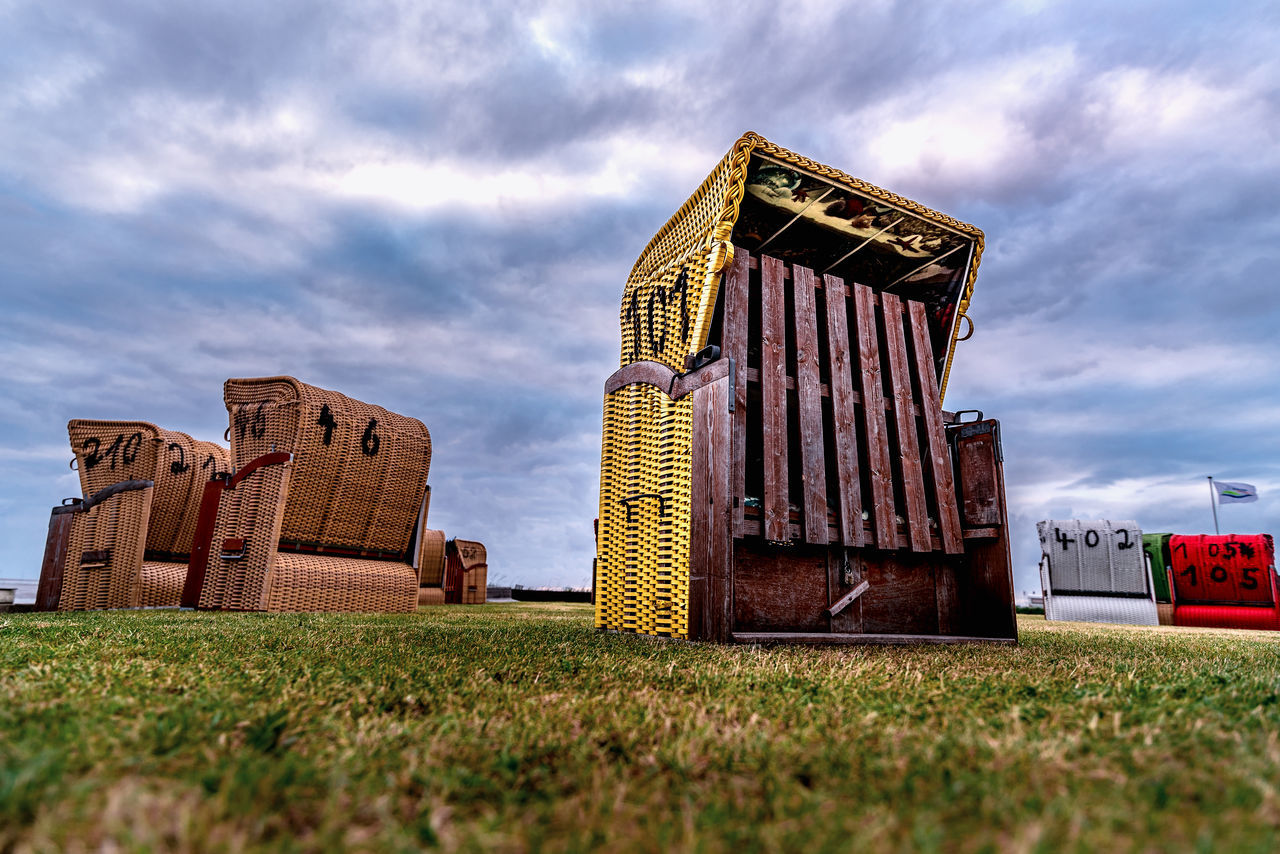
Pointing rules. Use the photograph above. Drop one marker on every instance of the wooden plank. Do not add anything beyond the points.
(844, 414)
(989, 575)
(847, 599)
(939, 454)
(49, 589)
(946, 594)
(885, 639)
(976, 459)
(844, 571)
(773, 369)
(812, 453)
(720, 572)
(880, 471)
(917, 510)
(737, 317)
(710, 541)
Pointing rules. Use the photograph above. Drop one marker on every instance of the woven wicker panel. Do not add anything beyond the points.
(1102, 609)
(431, 558)
(359, 471)
(185, 465)
(1227, 617)
(431, 596)
(161, 584)
(108, 452)
(475, 585)
(319, 583)
(118, 528)
(643, 563)
(253, 512)
(1094, 556)
(471, 553)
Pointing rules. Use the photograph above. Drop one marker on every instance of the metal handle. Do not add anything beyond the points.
(968, 334)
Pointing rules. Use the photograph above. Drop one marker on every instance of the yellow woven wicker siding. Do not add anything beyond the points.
(643, 571)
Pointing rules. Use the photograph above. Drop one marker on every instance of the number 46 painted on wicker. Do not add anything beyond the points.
(370, 442)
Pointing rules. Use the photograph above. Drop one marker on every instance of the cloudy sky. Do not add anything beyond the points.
(435, 206)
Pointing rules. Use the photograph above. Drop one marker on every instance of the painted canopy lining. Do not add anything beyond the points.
(807, 219)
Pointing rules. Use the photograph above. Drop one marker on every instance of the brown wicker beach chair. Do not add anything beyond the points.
(125, 544)
(323, 509)
(466, 572)
(431, 563)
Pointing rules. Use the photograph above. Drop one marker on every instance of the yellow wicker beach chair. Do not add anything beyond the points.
(126, 543)
(775, 462)
(323, 510)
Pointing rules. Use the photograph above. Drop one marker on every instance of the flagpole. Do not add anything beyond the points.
(1213, 505)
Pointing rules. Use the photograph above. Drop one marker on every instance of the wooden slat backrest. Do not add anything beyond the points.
(878, 448)
(905, 419)
(773, 411)
(844, 417)
(809, 398)
(737, 294)
(941, 476)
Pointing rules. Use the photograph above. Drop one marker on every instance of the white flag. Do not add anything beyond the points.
(1235, 493)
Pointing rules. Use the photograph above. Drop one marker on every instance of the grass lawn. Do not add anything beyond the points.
(517, 727)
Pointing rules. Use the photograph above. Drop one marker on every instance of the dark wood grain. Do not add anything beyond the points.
(980, 491)
(917, 511)
(946, 595)
(658, 375)
(49, 589)
(844, 417)
(840, 582)
(813, 464)
(902, 597)
(770, 638)
(880, 471)
(779, 589)
(753, 376)
(737, 307)
(719, 427)
(988, 581)
(939, 454)
(710, 537)
(773, 369)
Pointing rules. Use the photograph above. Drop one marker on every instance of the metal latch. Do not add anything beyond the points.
(234, 549)
(95, 559)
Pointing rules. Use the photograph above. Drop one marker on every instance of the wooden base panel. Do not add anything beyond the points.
(766, 638)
